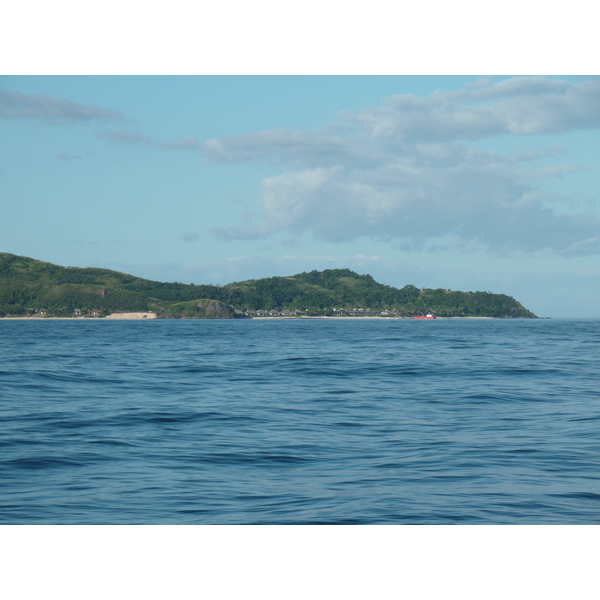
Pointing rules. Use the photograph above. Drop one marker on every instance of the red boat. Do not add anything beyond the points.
(429, 315)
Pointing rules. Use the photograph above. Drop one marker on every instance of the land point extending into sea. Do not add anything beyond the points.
(30, 288)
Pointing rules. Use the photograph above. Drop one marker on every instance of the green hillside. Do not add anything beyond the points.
(28, 286)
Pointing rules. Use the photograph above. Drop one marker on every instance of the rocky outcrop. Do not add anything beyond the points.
(199, 309)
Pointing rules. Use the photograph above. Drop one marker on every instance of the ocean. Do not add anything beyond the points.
(300, 421)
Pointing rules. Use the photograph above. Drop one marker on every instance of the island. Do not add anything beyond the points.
(31, 288)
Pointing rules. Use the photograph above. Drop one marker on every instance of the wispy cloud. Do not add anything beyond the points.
(15, 105)
(408, 172)
(127, 138)
(281, 146)
(185, 143)
(189, 237)
(69, 157)
(135, 138)
(558, 170)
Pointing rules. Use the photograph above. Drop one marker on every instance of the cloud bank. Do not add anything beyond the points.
(409, 171)
(14, 105)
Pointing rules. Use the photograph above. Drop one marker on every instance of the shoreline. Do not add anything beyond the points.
(109, 318)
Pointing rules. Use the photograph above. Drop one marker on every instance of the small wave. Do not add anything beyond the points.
(43, 463)
(487, 398)
(578, 495)
(528, 371)
(69, 376)
(200, 369)
(258, 458)
(350, 424)
(594, 418)
(116, 443)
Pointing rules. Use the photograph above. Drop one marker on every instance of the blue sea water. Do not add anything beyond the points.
(290, 421)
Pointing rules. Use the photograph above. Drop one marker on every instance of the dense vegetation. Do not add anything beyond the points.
(28, 286)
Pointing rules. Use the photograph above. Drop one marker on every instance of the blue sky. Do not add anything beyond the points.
(459, 182)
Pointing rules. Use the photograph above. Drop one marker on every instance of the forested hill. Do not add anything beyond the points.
(28, 286)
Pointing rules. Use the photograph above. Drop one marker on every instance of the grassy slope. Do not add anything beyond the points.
(26, 283)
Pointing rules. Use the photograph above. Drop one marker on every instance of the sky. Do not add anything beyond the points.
(474, 183)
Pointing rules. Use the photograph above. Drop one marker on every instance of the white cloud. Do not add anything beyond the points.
(478, 197)
(406, 172)
(518, 106)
